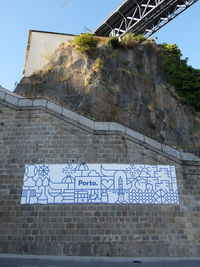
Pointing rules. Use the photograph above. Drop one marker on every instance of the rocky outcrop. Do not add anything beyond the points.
(124, 85)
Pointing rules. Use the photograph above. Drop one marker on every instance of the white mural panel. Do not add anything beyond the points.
(99, 183)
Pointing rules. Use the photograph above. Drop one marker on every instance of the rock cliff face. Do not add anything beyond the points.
(124, 85)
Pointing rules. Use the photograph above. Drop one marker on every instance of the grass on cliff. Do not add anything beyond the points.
(129, 40)
(85, 42)
(185, 78)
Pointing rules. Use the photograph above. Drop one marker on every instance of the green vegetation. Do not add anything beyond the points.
(99, 63)
(113, 42)
(140, 38)
(129, 40)
(185, 78)
(85, 42)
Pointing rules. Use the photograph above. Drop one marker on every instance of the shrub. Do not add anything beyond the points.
(113, 42)
(149, 41)
(85, 42)
(140, 38)
(185, 78)
(128, 40)
(172, 50)
(99, 63)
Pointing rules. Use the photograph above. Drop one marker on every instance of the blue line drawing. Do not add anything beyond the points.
(99, 183)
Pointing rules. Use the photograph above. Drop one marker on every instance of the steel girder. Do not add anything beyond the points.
(142, 17)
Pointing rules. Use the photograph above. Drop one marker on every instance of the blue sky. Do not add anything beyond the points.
(70, 16)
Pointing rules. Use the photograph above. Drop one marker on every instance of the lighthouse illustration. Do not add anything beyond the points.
(120, 181)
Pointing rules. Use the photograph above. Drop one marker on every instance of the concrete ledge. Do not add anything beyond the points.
(114, 126)
(86, 122)
(101, 126)
(24, 102)
(11, 99)
(188, 156)
(152, 142)
(171, 151)
(54, 107)
(19, 101)
(40, 103)
(2, 95)
(99, 259)
(2, 89)
(135, 134)
(70, 114)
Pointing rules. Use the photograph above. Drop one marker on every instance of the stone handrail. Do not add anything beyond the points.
(21, 102)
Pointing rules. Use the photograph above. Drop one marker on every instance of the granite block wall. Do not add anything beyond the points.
(32, 135)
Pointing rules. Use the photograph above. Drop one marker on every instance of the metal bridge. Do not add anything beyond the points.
(142, 17)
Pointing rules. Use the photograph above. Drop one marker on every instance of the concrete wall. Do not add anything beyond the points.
(41, 45)
(36, 131)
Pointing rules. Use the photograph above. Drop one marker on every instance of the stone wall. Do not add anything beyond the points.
(39, 131)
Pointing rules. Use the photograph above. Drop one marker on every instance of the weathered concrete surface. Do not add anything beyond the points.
(41, 45)
(30, 135)
(125, 86)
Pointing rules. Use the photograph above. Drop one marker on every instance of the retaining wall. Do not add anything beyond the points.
(39, 131)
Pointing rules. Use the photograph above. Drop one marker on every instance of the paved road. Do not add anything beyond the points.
(6, 262)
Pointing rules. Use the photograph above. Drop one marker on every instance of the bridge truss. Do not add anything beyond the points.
(142, 17)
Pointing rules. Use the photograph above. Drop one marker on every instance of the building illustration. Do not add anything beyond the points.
(99, 183)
